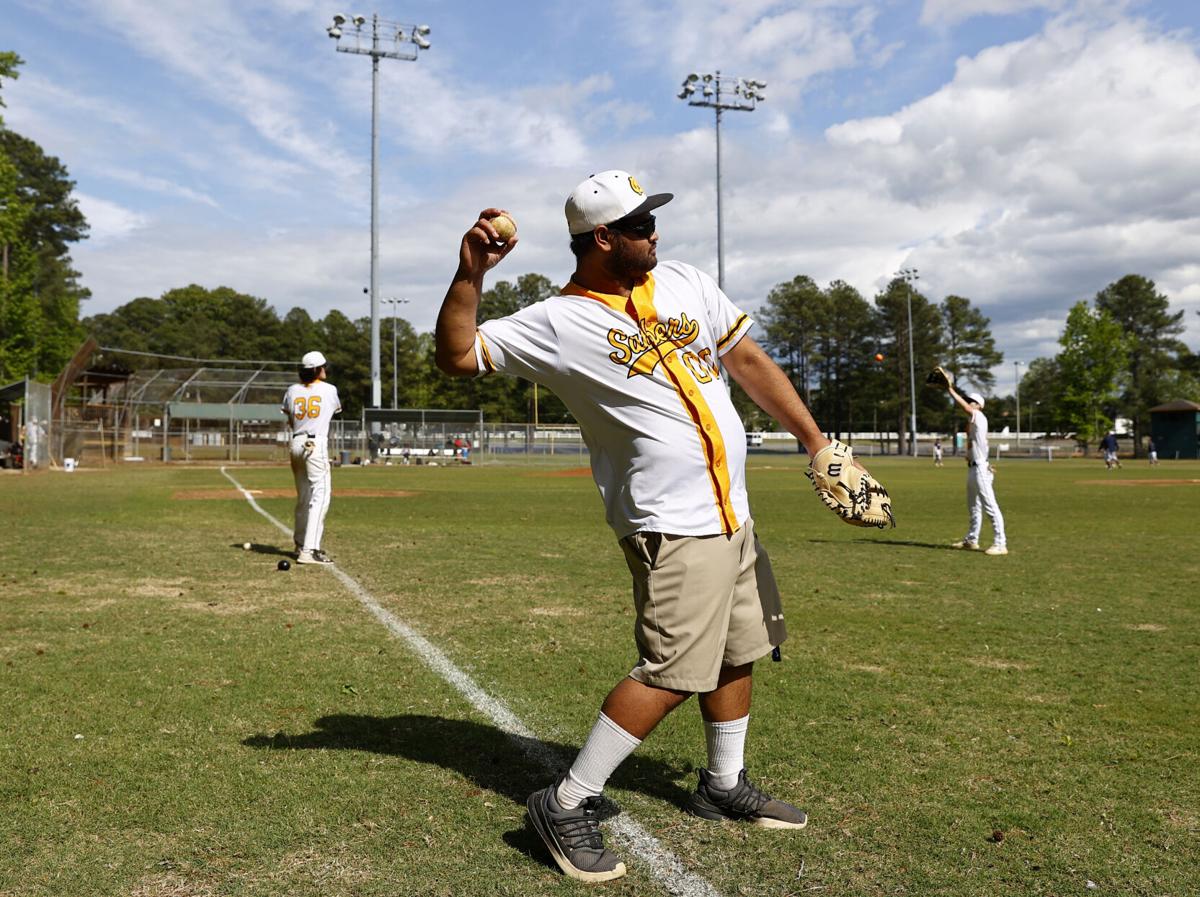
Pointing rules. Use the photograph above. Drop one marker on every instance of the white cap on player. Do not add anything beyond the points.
(607, 197)
(312, 360)
(975, 398)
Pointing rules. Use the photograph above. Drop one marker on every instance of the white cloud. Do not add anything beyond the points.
(951, 12)
(108, 221)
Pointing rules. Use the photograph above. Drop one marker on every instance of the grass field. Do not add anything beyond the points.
(182, 720)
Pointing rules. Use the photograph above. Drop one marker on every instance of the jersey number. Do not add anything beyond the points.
(307, 407)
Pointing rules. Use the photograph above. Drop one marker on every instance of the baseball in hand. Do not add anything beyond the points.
(505, 227)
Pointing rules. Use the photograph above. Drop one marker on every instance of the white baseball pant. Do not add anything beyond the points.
(310, 467)
(982, 500)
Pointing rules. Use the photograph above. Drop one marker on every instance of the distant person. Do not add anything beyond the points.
(981, 499)
(310, 406)
(1108, 445)
(937, 453)
(1153, 450)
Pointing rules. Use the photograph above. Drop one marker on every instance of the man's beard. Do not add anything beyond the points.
(628, 263)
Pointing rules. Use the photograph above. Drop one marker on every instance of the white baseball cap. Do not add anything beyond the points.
(607, 197)
(312, 360)
(975, 398)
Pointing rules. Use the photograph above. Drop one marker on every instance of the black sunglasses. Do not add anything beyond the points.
(642, 229)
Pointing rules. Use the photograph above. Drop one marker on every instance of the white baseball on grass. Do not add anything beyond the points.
(246, 546)
(505, 227)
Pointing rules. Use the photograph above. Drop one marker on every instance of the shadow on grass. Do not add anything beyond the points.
(904, 543)
(510, 765)
(258, 548)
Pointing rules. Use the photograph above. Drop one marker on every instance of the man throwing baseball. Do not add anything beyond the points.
(310, 406)
(981, 499)
(638, 349)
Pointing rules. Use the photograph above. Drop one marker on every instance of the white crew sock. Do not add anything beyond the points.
(605, 749)
(726, 750)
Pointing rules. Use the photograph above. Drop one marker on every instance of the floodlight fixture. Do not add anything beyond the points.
(338, 19)
(418, 38)
(422, 30)
(746, 94)
(359, 21)
(334, 32)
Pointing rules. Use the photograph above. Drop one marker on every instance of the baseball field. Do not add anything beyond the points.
(180, 719)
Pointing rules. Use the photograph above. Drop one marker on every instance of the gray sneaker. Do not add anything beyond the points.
(573, 836)
(312, 557)
(321, 557)
(742, 802)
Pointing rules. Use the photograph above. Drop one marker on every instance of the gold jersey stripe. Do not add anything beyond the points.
(487, 356)
(737, 325)
(693, 402)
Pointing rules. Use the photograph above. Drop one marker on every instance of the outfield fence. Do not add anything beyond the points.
(439, 437)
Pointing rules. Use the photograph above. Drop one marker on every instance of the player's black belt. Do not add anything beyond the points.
(972, 464)
(305, 435)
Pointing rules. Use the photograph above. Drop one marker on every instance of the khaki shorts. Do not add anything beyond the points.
(703, 603)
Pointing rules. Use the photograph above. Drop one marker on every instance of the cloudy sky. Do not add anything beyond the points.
(1023, 153)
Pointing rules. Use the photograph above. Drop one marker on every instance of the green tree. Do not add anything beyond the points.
(1041, 391)
(10, 63)
(791, 322)
(846, 342)
(20, 318)
(39, 217)
(1153, 350)
(1093, 356)
(970, 347)
(891, 323)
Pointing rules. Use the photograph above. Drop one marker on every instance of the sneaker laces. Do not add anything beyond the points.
(745, 798)
(582, 827)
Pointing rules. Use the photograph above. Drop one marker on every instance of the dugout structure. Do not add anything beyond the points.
(417, 435)
(1175, 428)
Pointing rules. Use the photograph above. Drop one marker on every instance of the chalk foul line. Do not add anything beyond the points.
(667, 868)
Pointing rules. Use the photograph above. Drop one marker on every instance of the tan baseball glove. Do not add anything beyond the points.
(940, 378)
(847, 490)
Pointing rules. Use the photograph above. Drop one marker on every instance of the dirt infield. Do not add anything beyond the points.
(1137, 482)
(225, 494)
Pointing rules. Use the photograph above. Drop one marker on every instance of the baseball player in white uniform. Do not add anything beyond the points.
(981, 499)
(638, 351)
(310, 406)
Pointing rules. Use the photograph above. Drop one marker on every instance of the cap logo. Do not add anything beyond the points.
(635, 186)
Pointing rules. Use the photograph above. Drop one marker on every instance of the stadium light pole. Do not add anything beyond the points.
(385, 40)
(1017, 378)
(395, 369)
(910, 276)
(748, 94)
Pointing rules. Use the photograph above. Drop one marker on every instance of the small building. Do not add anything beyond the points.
(1175, 428)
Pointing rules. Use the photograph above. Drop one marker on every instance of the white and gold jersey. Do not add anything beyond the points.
(641, 376)
(310, 407)
(977, 439)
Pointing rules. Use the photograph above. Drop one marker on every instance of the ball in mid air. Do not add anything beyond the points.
(879, 356)
(245, 546)
(285, 564)
(505, 227)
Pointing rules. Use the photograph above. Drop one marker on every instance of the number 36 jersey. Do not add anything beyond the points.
(310, 407)
(642, 377)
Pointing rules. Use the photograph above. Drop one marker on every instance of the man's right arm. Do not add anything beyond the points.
(455, 334)
(962, 403)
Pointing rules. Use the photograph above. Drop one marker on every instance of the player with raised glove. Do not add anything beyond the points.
(940, 378)
(847, 489)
